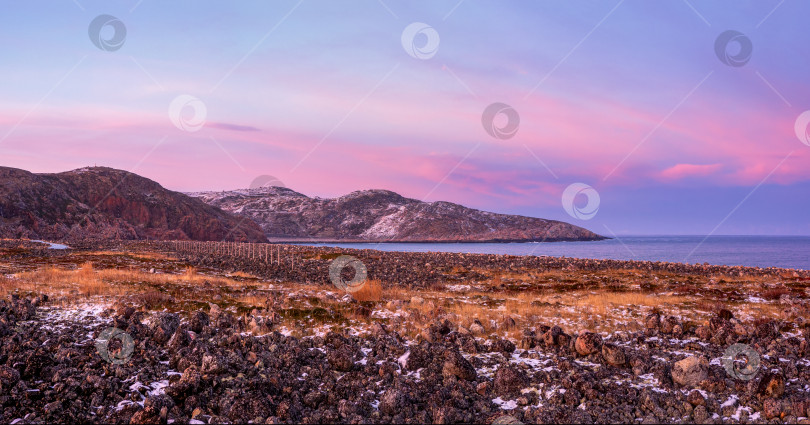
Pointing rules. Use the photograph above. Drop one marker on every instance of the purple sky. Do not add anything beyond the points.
(629, 97)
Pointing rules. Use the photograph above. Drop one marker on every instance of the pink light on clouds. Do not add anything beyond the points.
(681, 171)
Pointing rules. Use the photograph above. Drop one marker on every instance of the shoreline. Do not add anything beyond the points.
(649, 250)
(449, 259)
(309, 264)
(476, 241)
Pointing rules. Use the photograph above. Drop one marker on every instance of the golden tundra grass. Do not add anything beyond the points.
(137, 255)
(599, 301)
(88, 281)
(370, 291)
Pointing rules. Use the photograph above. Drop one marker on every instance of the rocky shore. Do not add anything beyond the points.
(210, 366)
(422, 269)
(143, 337)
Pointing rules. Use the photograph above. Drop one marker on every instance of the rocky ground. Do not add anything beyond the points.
(425, 269)
(222, 362)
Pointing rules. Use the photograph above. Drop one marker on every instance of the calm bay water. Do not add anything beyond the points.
(761, 251)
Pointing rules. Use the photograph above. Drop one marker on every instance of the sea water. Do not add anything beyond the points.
(755, 251)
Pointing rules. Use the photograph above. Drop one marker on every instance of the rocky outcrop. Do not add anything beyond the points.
(382, 215)
(103, 203)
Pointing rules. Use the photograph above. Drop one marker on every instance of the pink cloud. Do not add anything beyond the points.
(681, 171)
(231, 127)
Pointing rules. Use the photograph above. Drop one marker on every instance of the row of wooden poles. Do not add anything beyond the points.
(262, 252)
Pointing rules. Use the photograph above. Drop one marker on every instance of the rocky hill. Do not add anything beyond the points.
(382, 215)
(104, 203)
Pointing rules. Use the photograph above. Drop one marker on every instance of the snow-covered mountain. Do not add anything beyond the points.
(382, 215)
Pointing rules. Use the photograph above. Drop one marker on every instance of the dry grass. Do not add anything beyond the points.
(575, 300)
(137, 255)
(242, 275)
(370, 291)
(153, 299)
(250, 300)
(88, 281)
(604, 303)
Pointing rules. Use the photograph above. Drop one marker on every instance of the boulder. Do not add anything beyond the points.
(668, 325)
(456, 365)
(553, 337)
(477, 328)
(164, 326)
(392, 402)
(200, 320)
(509, 380)
(588, 343)
(691, 371)
(772, 385)
(652, 321)
(613, 355)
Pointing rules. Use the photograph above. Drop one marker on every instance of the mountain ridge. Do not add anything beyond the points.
(105, 203)
(381, 215)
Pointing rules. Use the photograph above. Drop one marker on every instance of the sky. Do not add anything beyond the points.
(665, 117)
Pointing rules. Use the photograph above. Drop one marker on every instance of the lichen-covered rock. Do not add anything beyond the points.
(164, 326)
(614, 355)
(588, 343)
(772, 385)
(553, 336)
(509, 380)
(8, 377)
(652, 321)
(456, 365)
(690, 371)
(199, 320)
(341, 359)
(502, 345)
(392, 402)
(668, 325)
